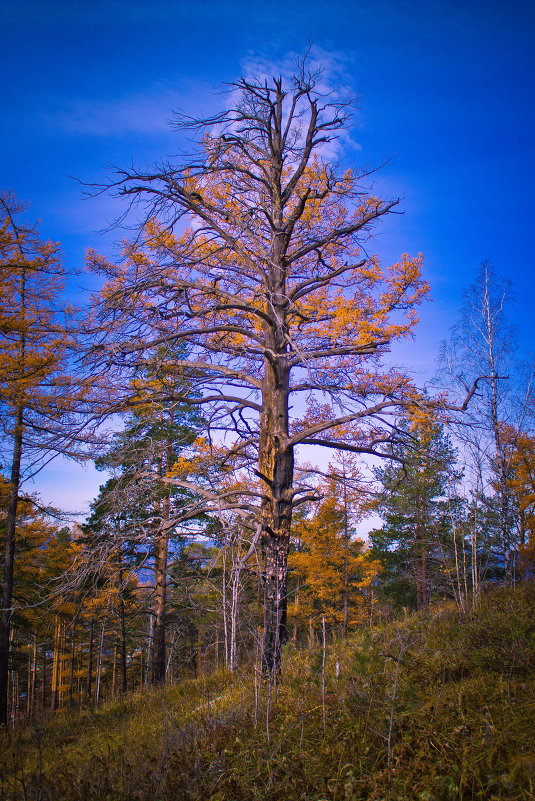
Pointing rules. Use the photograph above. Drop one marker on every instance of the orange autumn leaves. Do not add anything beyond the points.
(339, 298)
(332, 569)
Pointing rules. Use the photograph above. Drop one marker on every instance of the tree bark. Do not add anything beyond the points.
(159, 663)
(34, 676)
(234, 610)
(225, 610)
(124, 684)
(7, 585)
(346, 561)
(90, 663)
(43, 688)
(421, 568)
(160, 592)
(276, 464)
(99, 661)
(501, 465)
(71, 666)
(54, 697)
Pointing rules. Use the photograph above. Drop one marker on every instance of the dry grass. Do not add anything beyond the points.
(435, 707)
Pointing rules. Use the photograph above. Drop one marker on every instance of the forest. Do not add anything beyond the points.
(283, 507)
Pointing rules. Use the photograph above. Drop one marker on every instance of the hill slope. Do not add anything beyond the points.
(435, 706)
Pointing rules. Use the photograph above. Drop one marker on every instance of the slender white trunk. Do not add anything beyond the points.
(99, 662)
(225, 611)
(234, 610)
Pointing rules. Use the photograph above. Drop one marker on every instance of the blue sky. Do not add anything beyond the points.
(447, 93)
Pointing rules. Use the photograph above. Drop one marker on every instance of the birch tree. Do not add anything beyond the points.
(483, 342)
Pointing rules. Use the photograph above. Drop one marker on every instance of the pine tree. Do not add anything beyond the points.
(415, 503)
(136, 512)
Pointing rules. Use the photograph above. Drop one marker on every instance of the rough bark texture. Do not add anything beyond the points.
(276, 467)
(161, 550)
(276, 455)
(160, 591)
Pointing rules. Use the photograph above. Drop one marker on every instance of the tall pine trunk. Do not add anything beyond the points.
(160, 591)
(160, 570)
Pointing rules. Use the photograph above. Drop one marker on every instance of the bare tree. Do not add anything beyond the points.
(254, 252)
(484, 343)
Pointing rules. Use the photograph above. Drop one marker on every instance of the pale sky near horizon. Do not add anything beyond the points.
(446, 93)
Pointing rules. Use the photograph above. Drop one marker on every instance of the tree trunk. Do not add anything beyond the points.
(71, 667)
(150, 635)
(295, 633)
(160, 587)
(54, 699)
(43, 688)
(34, 676)
(15, 697)
(276, 464)
(346, 561)
(99, 661)
(275, 603)
(63, 658)
(225, 610)
(421, 570)
(234, 609)
(160, 571)
(90, 663)
(193, 651)
(500, 459)
(122, 618)
(7, 584)
(29, 685)
(114, 672)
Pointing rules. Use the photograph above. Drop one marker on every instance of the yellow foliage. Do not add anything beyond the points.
(520, 454)
(328, 563)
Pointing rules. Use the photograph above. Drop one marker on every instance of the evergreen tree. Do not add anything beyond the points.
(418, 504)
(138, 509)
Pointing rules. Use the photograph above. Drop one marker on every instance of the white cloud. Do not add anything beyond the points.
(142, 112)
(333, 82)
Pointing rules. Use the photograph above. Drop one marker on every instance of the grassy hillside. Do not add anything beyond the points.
(436, 706)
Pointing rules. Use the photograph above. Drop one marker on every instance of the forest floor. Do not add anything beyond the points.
(434, 707)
